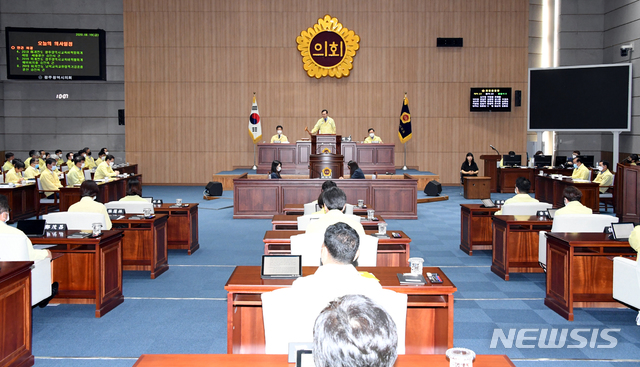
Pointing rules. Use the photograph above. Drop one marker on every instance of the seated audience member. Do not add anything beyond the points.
(89, 162)
(49, 180)
(276, 167)
(469, 167)
(105, 169)
(572, 205)
(325, 185)
(8, 161)
(101, 157)
(33, 154)
(134, 191)
(75, 175)
(372, 138)
(34, 254)
(580, 171)
(58, 157)
(634, 240)
(334, 201)
(539, 152)
(604, 177)
(632, 160)
(575, 154)
(356, 172)
(353, 330)
(69, 162)
(279, 137)
(14, 175)
(510, 154)
(42, 157)
(89, 191)
(33, 170)
(522, 194)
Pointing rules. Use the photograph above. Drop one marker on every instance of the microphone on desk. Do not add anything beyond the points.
(494, 148)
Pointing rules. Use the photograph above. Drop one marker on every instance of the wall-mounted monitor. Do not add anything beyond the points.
(490, 100)
(580, 98)
(56, 54)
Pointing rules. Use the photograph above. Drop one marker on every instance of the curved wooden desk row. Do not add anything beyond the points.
(393, 199)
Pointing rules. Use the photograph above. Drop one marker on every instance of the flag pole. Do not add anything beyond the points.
(255, 168)
(404, 168)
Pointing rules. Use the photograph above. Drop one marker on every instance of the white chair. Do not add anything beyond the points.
(308, 245)
(348, 210)
(304, 220)
(289, 316)
(1, 178)
(626, 282)
(64, 168)
(44, 202)
(579, 223)
(77, 221)
(87, 175)
(524, 208)
(368, 251)
(15, 248)
(130, 207)
(310, 208)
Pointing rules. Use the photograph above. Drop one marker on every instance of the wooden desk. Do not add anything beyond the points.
(476, 232)
(182, 226)
(290, 222)
(90, 270)
(429, 309)
(112, 190)
(131, 169)
(298, 209)
(549, 190)
(491, 169)
(515, 244)
(507, 178)
(391, 251)
(580, 271)
(627, 189)
(23, 201)
(15, 314)
(477, 187)
(275, 360)
(264, 198)
(144, 247)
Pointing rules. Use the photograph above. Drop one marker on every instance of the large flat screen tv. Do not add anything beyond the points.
(490, 100)
(56, 54)
(580, 98)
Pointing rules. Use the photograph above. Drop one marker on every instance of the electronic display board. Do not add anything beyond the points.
(490, 100)
(55, 54)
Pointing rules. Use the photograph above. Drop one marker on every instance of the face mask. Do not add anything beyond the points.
(279, 132)
(53, 168)
(7, 219)
(110, 164)
(278, 169)
(372, 135)
(37, 166)
(82, 165)
(84, 155)
(600, 168)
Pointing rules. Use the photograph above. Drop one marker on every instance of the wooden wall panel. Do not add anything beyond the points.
(191, 68)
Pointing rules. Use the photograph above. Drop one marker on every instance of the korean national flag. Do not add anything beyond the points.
(255, 129)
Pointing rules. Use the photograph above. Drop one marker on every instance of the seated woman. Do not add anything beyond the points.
(89, 191)
(356, 172)
(276, 167)
(134, 190)
(469, 167)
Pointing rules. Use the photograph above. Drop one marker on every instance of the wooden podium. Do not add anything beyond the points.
(491, 169)
(626, 188)
(477, 187)
(326, 143)
(326, 165)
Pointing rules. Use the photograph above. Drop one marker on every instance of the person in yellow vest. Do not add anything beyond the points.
(89, 162)
(105, 169)
(523, 186)
(372, 138)
(42, 159)
(580, 172)
(101, 156)
(8, 161)
(59, 158)
(572, 205)
(89, 191)
(134, 191)
(49, 180)
(14, 175)
(279, 137)
(634, 240)
(75, 175)
(69, 162)
(32, 155)
(32, 171)
(604, 177)
(325, 125)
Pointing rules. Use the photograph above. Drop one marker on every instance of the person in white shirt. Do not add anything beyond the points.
(34, 254)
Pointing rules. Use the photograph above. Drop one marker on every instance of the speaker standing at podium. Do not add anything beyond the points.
(469, 168)
(325, 125)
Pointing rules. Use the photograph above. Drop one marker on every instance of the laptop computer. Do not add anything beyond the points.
(281, 266)
(621, 231)
(32, 228)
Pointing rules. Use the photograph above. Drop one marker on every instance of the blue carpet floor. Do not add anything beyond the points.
(184, 310)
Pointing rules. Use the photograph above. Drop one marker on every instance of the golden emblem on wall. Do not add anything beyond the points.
(328, 48)
(326, 172)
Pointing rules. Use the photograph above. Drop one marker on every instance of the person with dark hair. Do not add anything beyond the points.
(279, 137)
(105, 170)
(75, 175)
(539, 152)
(604, 177)
(510, 154)
(572, 205)
(34, 254)
(69, 162)
(134, 191)
(325, 185)
(372, 138)
(469, 167)
(523, 186)
(89, 191)
(325, 125)
(276, 167)
(89, 162)
(580, 172)
(14, 175)
(8, 161)
(58, 157)
(33, 154)
(49, 180)
(101, 157)
(355, 170)
(632, 160)
(33, 170)
(334, 201)
(353, 330)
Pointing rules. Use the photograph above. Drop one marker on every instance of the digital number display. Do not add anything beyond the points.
(490, 99)
(55, 54)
